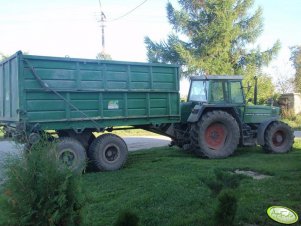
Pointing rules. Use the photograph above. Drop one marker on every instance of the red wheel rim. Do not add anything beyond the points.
(215, 136)
(278, 138)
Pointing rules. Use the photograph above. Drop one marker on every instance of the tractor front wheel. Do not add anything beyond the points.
(216, 135)
(278, 138)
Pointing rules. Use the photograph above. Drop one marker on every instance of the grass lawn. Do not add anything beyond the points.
(131, 132)
(165, 186)
(1, 132)
(122, 133)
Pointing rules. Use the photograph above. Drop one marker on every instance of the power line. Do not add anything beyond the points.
(103, 20)
(129, 12)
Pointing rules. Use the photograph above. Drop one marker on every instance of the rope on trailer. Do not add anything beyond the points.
(47, 87)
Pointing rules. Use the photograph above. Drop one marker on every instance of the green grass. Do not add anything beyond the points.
(131, 132)
(1, 133)
(166, 186)
(122, 133)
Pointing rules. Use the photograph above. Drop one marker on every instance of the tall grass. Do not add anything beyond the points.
(293, 120)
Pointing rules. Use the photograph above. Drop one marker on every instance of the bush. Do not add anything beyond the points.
(127, 218)
(288, 114)
(40, 191)
(215, 187)
(226, 209)
(229, 180)
(223, 180)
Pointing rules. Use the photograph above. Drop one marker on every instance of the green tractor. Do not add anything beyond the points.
(216, 119)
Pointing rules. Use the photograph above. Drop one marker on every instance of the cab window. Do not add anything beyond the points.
(198, 91)
(219, 91)
(236, 93)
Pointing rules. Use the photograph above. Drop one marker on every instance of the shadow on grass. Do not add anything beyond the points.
(224, 179)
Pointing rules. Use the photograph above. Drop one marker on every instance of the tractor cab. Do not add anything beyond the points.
(211, 92)
(225, 93)
(217, 90)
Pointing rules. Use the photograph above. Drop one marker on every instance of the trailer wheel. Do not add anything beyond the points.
(108, 152)
(278, 138)
(216, 135)
(85, 138)
(72, 154)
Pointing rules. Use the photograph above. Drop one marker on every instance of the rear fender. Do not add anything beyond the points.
(196, 113)
(199, 110)
(262, 128)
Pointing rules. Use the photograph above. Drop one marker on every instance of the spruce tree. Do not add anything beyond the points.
(213, 37)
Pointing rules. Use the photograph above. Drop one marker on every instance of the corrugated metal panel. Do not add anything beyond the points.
(87, 93)
(82, 75)
(109, 92)
(9, 93)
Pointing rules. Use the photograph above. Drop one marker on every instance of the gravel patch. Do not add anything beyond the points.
(253, 174)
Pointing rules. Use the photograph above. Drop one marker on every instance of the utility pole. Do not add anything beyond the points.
(102, 25)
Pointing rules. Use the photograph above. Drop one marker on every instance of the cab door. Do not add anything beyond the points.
(237, 96)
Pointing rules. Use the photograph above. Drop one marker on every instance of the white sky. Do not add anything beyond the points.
(70, 27)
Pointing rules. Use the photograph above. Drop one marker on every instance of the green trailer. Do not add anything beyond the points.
(76, 97)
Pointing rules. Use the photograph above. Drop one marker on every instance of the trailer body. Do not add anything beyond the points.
(52, 93)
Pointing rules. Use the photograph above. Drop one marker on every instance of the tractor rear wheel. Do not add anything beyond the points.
(108, 152)
(278, 138)
(216, 135)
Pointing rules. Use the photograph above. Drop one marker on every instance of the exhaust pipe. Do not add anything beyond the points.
(255, 90)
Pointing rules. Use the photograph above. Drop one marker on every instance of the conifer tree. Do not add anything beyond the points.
(213, 37)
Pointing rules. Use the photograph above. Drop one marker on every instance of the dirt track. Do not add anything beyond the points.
(133, 143)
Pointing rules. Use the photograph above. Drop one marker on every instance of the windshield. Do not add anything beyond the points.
(198, 91)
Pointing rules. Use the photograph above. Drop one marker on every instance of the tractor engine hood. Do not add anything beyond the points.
(260, 113)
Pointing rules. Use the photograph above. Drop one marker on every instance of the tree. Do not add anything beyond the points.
(285, 84)
(266, 88)
(2, 56)
(296, 59)
(103, 56)
(212, 37)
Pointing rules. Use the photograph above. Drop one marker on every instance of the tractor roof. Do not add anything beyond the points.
(217, 77)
